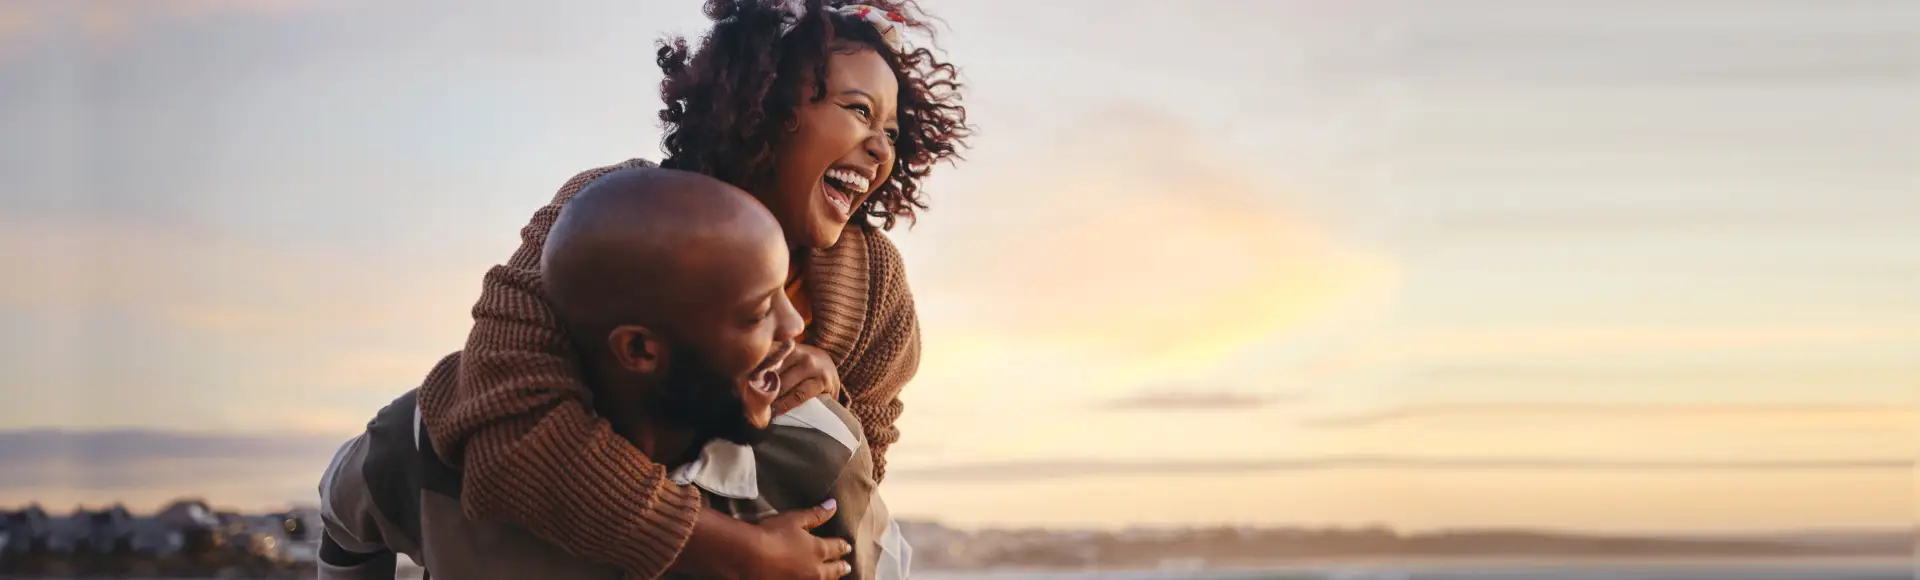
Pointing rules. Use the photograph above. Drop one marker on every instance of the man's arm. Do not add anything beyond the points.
(352, 541)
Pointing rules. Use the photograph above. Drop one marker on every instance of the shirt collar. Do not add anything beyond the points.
(724, 468)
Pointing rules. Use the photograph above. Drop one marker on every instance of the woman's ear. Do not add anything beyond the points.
(637, 349)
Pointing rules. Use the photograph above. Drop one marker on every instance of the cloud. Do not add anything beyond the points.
(1037, 470)
(1831, 373)
(17, 19)
(85, 447)
(1136, 246)
(1602, 46)
(112, 25)
(1482, 345)
(202, 280)
(1537, 225)
(1179, 401)
(1896, 417)
(133, 324)
(21, 25)
(32, 460)
(150, 468)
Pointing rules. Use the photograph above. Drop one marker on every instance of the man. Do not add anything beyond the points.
(672, 287)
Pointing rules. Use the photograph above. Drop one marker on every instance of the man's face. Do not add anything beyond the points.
(734, 334)
(706, 399)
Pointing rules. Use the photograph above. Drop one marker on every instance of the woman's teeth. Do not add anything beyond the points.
(842, 187)
(853, 182)
(839, 200)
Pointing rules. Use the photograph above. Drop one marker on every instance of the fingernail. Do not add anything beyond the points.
(846, 568)
(830, 504)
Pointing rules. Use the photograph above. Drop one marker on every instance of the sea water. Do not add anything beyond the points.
(1876, 570)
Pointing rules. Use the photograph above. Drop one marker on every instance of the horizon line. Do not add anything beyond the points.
(912, 519)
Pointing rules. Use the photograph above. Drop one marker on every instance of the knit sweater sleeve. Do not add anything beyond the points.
(512, 409)
(892, 357)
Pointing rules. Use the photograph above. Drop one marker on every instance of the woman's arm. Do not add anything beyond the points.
(891, 359)
(512, 410)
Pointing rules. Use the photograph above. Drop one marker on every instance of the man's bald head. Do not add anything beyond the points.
(672, 286)
(639, 245)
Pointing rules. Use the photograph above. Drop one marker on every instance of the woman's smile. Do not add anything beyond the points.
(844, 188)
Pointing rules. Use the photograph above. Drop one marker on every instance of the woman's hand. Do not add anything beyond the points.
(789, 550)
(806, 374)
(778, 548)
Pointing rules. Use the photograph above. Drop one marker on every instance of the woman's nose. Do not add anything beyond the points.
(879, 146)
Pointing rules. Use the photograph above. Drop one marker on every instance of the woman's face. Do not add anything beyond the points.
(839, 151)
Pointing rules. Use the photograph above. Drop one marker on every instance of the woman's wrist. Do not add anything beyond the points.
(718, 547)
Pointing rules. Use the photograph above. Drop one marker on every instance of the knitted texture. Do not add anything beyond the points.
(512, 410)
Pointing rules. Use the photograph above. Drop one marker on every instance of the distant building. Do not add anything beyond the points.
(185, 538)
(186, 525)
(26, 530)
(103, 531)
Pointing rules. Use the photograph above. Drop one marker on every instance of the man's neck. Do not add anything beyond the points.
(664, 442)
(636, 420)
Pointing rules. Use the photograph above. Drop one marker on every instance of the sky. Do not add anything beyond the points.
(1614, 266)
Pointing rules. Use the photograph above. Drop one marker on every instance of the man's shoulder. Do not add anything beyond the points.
(369, 492)
(396, 463)
(828, 417)
(806, 452)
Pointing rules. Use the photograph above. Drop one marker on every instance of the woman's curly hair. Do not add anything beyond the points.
(729, 102)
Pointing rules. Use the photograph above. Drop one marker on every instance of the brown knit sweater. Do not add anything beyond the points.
(512, 410)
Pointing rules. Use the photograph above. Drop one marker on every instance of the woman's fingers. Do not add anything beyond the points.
(835, 570)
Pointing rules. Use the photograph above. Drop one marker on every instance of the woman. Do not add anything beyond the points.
(821, 113)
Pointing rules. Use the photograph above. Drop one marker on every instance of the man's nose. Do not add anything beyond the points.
(788, 324)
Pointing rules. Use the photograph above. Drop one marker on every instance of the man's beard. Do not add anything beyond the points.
(706, 400)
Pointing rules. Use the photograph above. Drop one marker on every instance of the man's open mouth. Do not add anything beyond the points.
(766, 378)
(766, 382)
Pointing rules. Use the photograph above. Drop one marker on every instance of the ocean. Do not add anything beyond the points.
(1903, 569)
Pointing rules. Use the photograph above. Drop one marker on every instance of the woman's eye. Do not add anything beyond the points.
(861, 109)
(893, 134)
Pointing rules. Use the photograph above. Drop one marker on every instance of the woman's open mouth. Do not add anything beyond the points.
(842, 186)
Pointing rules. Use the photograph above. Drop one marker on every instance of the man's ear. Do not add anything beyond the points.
(637, 349)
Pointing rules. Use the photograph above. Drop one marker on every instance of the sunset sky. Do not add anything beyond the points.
(1578, 265)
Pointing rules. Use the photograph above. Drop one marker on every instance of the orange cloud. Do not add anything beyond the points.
(109, 25)
(1442, 345)
(1627, 339)
(1190, 400)
(199, 280)
(20, 25)
(339, 321)
(1136, 250)
(1880, 417)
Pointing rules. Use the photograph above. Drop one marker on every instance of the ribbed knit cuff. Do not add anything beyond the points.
(662, 536)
